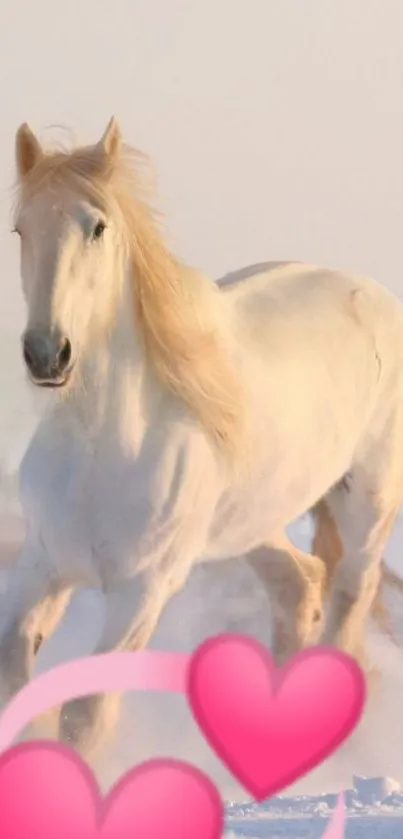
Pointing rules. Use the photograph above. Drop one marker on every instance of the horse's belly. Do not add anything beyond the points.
(241, 525)
(289, 484)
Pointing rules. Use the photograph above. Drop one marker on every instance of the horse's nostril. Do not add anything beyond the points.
(47, 356)
(27, 356)
(35, 353)
(64, 355)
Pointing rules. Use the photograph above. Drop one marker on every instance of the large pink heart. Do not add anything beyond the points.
(271, 726)
(48, 792)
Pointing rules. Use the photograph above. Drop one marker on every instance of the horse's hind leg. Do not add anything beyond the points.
(294, 582)
(326, 541)
(363, 510)
(327, 545)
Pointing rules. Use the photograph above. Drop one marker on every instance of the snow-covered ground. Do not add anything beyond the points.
(373, 808)
(300, 827)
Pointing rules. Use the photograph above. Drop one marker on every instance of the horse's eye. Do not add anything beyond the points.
(98, 230)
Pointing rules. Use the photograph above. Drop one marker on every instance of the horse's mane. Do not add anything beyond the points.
(178, 310)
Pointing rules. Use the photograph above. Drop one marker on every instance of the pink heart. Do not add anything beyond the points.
(271, 726)
(47, 791)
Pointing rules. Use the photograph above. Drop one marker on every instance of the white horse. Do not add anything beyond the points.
(189, 421)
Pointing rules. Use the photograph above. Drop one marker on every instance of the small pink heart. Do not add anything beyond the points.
(271, 726)
(47, 791)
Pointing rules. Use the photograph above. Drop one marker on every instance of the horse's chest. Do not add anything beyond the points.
(80, 503)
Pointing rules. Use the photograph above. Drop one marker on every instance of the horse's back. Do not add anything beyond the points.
(321, 350)
(302, 281)
(234, 278)
(303, 302)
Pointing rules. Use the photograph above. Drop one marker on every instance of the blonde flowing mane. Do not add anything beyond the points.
(177, 310)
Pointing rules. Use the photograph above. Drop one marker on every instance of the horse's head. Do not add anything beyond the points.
(86, 227)
(72, 244)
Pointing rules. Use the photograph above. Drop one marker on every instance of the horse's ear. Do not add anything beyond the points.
(111, 140)
(28, 150)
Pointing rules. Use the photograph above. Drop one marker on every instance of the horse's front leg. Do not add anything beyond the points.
(167, 544)
(33, 594)
(133, 609)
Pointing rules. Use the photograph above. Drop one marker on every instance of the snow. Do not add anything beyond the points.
(373, 807)
(373, 827)
(366, 797)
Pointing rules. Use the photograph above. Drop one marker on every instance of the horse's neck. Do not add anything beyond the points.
(117, 394)
(115, 389)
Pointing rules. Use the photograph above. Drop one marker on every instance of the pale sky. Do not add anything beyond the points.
(276, 127)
